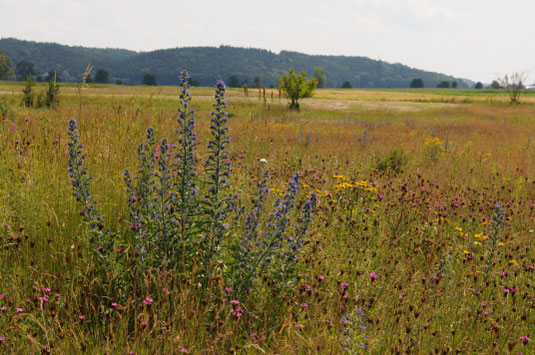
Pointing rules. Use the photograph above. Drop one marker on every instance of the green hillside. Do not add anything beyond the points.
(207, 64)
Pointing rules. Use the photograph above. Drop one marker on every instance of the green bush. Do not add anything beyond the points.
(391, 165)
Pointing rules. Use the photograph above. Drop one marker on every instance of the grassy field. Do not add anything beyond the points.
(420, 243)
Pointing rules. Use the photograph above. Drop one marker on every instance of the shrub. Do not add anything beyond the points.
(392, 164)
(28, 93)
(416, 83)
(150, 80)
(296, 87)
(432, 149)
(52, 94)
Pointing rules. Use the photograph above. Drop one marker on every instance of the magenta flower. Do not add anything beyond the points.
(19, 310)
(373, 276)
(81, 317)
(299, 326)
(234, 302)
(148, 301)
(2, 339)
(525, 340)
(238, 312)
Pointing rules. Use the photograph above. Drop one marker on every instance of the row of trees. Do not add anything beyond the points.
(24, 68)
(445, 84)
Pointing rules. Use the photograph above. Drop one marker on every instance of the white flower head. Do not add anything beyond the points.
(263, 161)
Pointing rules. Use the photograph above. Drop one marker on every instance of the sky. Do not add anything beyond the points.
(479, 40)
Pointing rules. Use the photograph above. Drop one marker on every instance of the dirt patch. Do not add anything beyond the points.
(373, 105)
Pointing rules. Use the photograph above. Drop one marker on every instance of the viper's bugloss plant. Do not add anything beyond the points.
(295, 242)
(81, 184)
(186, 201)
(140, 192)
(493, 242)
(354, 336)
(80, 180)
(162, 238)
(247, 248)
(273, 251)
(106, 262)
(174, 232)
(217, 170)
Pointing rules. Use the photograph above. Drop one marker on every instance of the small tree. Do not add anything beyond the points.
(319, 74)
(52, 75)
(346, 85)
(102, 76)
(444, 84)
(29, 96)
(150, 80)
(495, 85)
(297, 87)
(454, 85)
(233, 81)
(479, 85)
(52, 93)
(6, 71)
(416, 83)
(514, 85)
(23, 69)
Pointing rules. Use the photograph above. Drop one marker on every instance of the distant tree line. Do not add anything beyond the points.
(206, 64)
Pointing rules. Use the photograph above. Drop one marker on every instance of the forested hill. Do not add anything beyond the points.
(207, 64)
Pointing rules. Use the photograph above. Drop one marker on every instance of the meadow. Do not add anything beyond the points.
(420, 206)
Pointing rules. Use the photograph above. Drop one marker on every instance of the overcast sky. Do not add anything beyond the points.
(474, 39)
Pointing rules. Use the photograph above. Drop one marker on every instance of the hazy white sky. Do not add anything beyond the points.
(474, 39)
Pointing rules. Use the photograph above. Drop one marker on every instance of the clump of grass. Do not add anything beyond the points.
(392, 164)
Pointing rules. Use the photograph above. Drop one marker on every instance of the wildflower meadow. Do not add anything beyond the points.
(169, 220)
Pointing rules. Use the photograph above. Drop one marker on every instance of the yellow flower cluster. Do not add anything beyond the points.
(346, 183)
